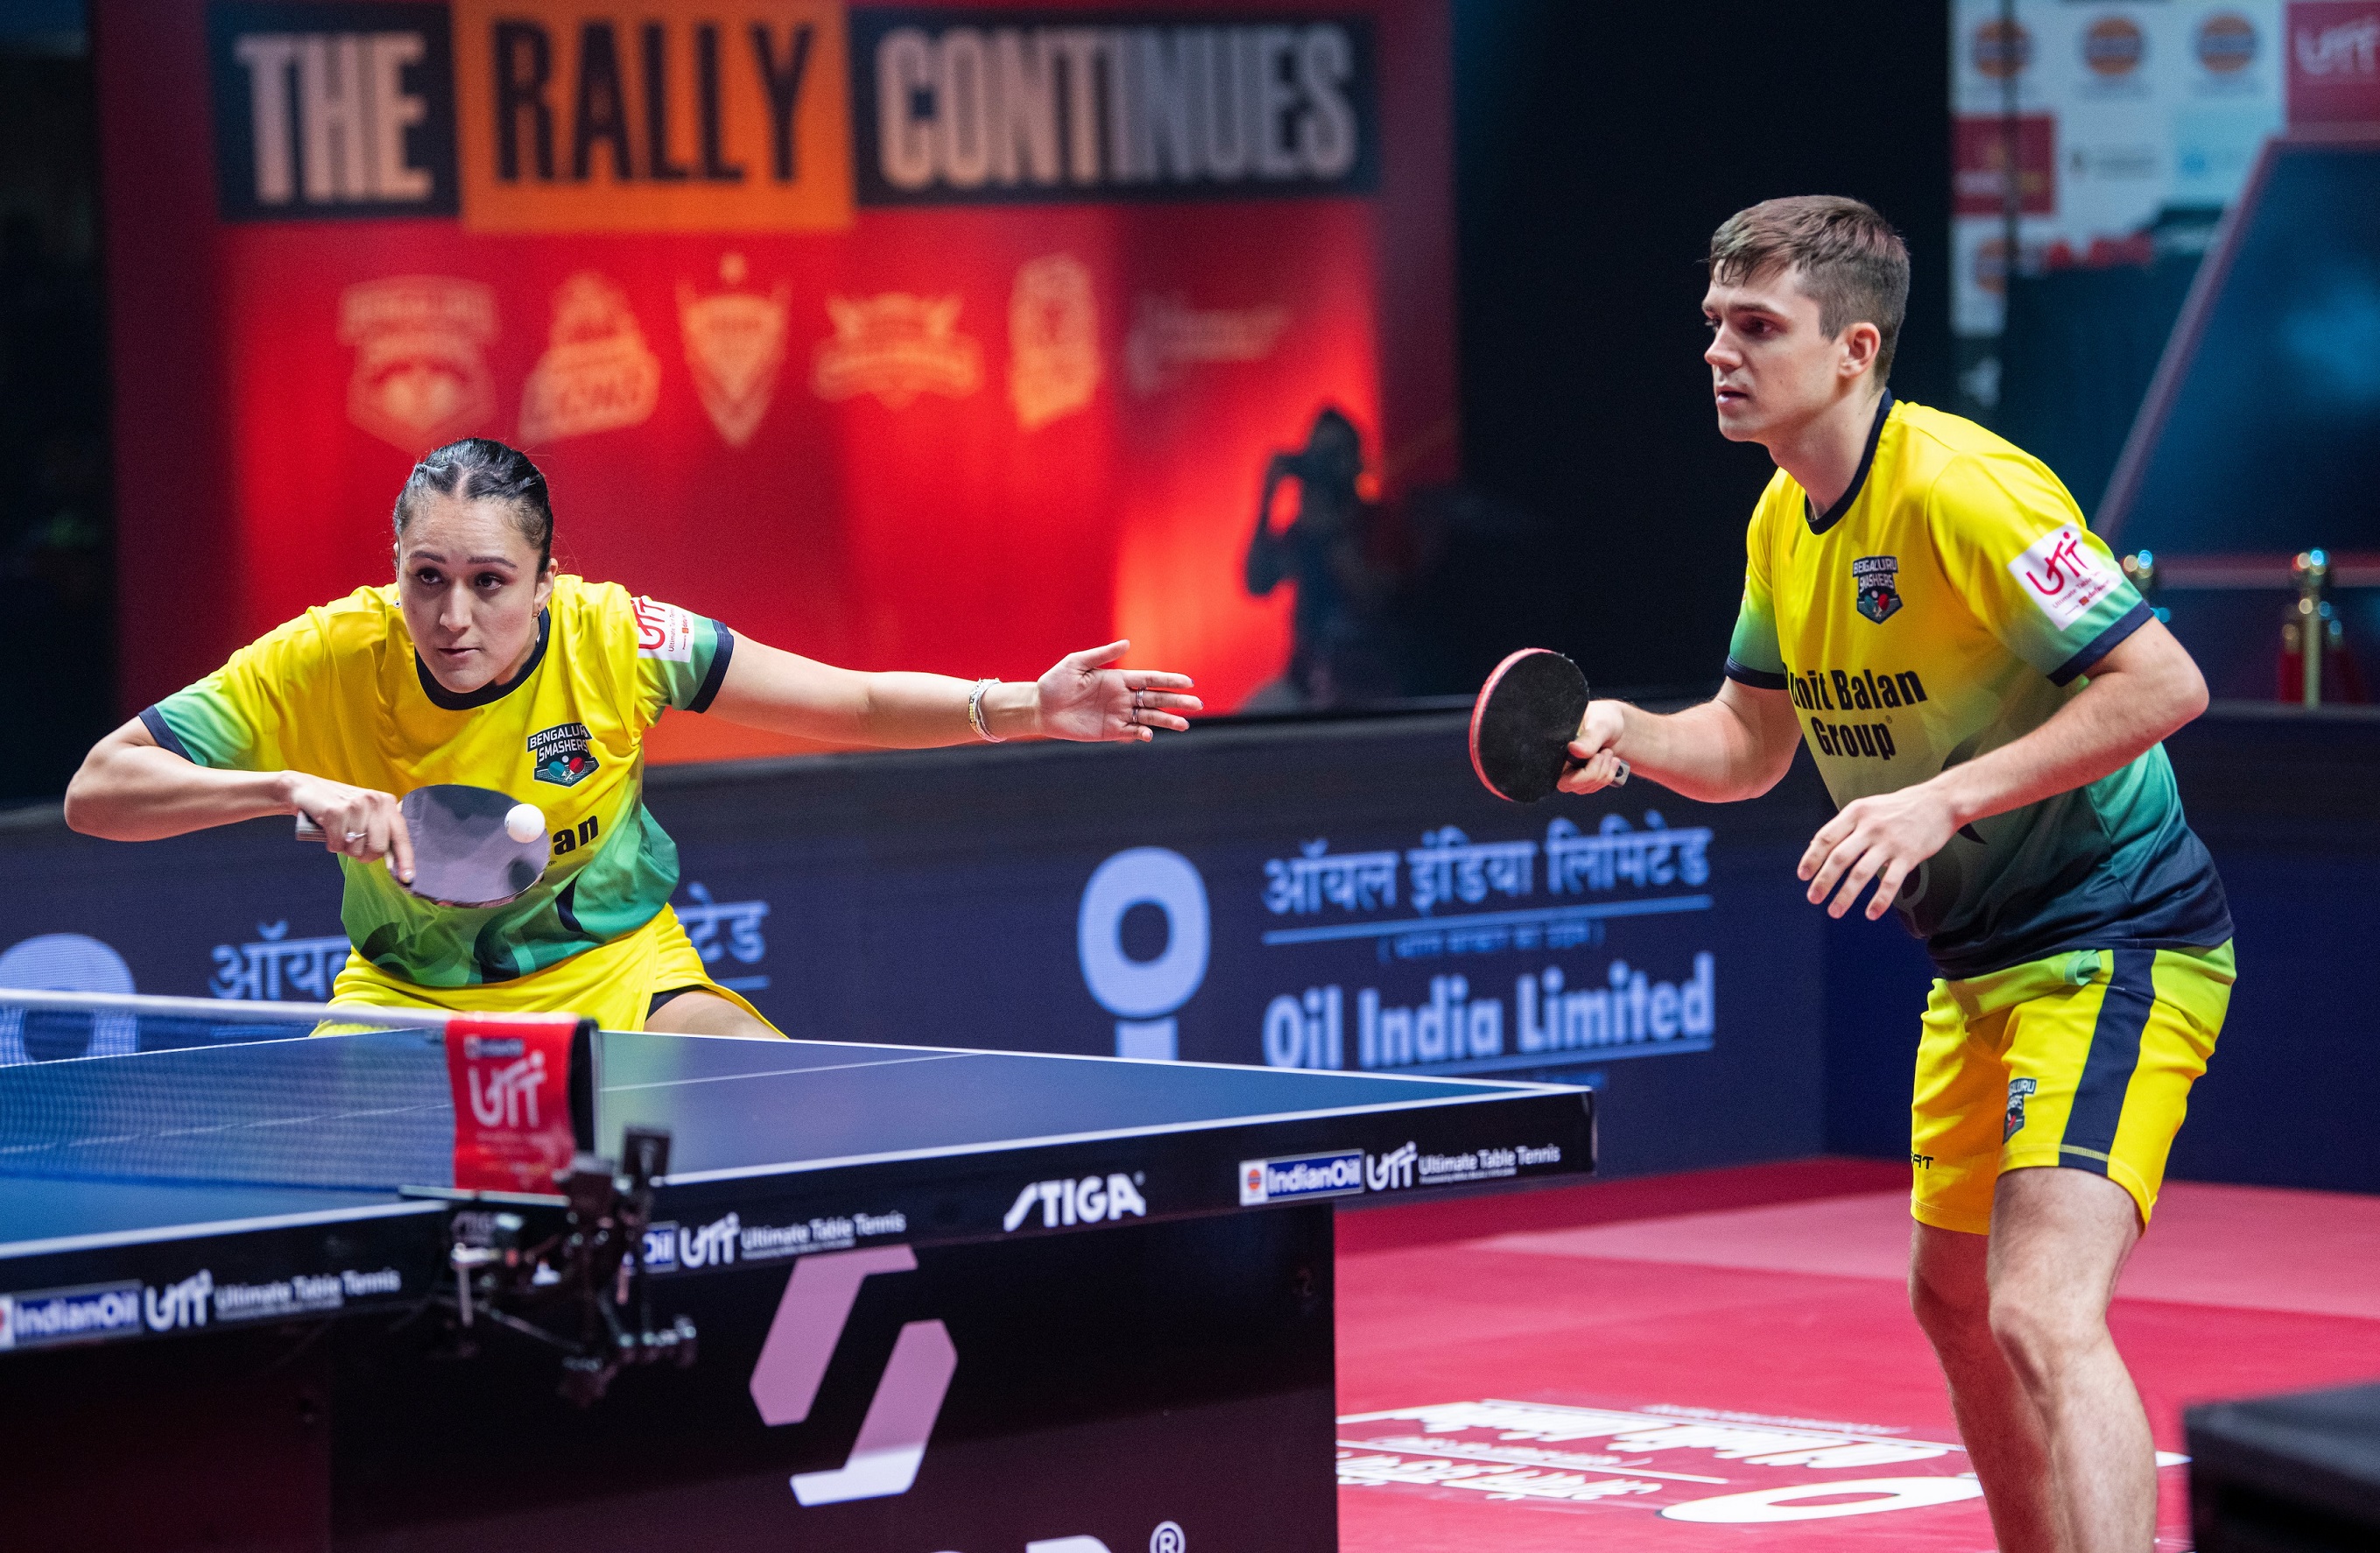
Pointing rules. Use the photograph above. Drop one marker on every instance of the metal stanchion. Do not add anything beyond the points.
(2314, 628)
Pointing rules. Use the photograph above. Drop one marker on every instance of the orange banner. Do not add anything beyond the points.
(680, 115)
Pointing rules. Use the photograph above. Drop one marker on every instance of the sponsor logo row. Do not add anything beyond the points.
(1353, 1172)
(730, 1240)
(1068, 1201)
(129, 1307)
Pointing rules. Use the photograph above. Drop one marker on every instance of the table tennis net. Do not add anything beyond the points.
(161, 1090)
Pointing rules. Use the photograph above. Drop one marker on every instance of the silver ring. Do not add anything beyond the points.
(357, 835)
(1136, 697)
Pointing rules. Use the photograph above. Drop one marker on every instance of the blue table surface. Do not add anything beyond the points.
(35, 1213)
(144, 1142)
(743, 1104)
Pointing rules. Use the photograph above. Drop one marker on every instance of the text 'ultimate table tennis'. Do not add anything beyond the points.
(910, 1298)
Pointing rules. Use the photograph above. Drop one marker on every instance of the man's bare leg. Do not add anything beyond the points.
(1949, 1290)
(2058, 1239)
(704, 1013)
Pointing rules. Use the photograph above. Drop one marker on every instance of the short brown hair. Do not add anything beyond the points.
(1853, 265)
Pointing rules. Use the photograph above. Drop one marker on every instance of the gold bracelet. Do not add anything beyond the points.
(976, 718)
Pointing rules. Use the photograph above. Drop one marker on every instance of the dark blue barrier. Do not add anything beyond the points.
(1331, 895)
(1335, 895)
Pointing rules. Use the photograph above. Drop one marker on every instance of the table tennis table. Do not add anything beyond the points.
(935, 1300)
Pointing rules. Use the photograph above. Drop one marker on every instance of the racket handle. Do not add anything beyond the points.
(308, 831)
(1619, 780)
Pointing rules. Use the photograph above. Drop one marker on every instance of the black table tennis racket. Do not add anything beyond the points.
(1523, 724)
(462, 855)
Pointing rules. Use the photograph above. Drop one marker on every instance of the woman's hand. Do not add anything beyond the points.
(1082, 699)
(357, 822)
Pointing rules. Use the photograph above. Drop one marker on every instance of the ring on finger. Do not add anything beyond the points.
(357, 835)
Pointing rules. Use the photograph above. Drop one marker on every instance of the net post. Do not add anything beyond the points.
(583, 1085)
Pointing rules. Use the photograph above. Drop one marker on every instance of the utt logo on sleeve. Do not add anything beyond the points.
(2063, 576)
(332, 110)
(664, 632)
(583, 116)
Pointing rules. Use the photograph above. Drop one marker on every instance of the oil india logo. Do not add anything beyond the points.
(563, 754)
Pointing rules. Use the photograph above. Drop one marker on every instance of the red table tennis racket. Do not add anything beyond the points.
(462, 854)
(1523, 724)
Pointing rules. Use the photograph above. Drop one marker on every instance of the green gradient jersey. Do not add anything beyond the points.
(338, 692)
(1950, 603)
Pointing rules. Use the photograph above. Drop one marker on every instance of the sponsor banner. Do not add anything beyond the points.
(984, 106)
(2126, 114)
(332, 111)
(581, 116)
(880, 334)
(1979, 160)
(2334, 62)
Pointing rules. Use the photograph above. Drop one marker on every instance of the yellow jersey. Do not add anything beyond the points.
(1948, 602)
(339, 692)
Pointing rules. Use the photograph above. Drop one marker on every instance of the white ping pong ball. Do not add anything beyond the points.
(525, 822)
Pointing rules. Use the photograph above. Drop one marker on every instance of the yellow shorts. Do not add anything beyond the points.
(2084, 1059)
(612, 984)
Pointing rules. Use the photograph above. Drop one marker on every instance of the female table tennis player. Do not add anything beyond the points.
(482, 665)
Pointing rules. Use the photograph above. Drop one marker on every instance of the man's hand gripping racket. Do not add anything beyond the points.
(1523, 723)
(468, 845)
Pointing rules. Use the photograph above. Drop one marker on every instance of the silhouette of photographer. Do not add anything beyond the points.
(1339, 655)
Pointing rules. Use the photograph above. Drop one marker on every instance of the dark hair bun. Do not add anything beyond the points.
(483, 469)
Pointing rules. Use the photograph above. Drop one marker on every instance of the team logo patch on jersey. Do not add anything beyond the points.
(2018, 1090)
(1874, 581)
(563, 754)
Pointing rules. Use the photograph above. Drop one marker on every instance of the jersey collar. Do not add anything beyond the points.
(1819, 524)
(492, 692)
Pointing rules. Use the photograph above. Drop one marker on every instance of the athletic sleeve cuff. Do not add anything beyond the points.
(163, 732)
(2102, 645)
(1758, 679)
(717, 675)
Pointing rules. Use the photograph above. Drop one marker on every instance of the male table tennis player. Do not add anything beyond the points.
(1984, 693)
(482, 665)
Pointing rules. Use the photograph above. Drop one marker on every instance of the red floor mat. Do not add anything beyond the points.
(1538, 1392)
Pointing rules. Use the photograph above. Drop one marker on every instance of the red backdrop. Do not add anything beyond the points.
(952, 428)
